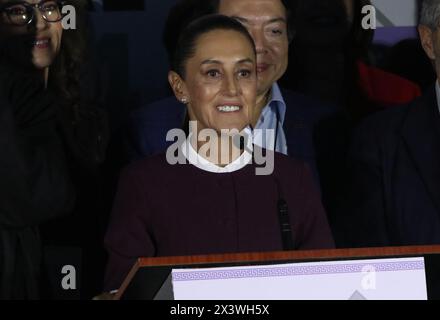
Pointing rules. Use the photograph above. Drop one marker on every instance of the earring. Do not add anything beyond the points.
(184, 100)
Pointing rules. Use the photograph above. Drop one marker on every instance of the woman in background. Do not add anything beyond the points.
(33, 40)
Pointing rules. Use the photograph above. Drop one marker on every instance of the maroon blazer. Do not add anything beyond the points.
(175, 210)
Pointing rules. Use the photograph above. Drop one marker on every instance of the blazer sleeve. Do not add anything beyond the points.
(35, 184)
(127, 237)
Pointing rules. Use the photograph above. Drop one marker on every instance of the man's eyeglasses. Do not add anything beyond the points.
(23, 13)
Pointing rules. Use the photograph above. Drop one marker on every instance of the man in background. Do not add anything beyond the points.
(394, 164)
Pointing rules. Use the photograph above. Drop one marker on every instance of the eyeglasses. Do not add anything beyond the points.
(23, 13)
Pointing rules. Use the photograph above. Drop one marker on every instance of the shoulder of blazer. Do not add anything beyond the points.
(390, 122)
(421, 110)
(383, 131)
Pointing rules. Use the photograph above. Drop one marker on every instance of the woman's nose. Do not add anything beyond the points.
(231, 86)
(39, 22)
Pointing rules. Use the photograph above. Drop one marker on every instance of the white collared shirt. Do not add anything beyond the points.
(198, 161)
(274, 112)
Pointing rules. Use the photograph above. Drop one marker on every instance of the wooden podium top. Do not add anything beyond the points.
(290, 255)
(277, 256)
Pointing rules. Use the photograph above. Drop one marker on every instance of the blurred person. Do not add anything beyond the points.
(35, 184)
(329, 60)
(394, 171)
(33, 39)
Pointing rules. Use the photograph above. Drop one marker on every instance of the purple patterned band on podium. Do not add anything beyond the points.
(293, 270)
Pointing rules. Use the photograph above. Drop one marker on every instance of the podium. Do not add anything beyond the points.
(150, 278)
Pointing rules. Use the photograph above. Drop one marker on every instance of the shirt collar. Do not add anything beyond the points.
(437, 91)
(277, 101)
(198, 161)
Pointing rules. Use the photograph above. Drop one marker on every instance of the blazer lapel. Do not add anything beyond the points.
(421, 132)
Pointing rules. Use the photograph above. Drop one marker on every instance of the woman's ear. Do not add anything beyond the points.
(426, 38)
(178, 86)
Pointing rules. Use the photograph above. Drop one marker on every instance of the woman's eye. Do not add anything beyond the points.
(245, 73)
(213, 73)
(50, 7)
(17, 11)
(277, 31)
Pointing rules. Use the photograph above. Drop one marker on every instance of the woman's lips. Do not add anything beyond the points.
(41, 43)
(229, 108)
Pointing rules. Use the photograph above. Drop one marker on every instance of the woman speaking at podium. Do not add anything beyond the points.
(206, 205)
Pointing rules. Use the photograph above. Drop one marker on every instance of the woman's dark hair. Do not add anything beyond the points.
(186, 46)
(179, 16)
(65, 73)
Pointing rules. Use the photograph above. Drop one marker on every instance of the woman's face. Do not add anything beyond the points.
(35, 44)
(220, 83)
